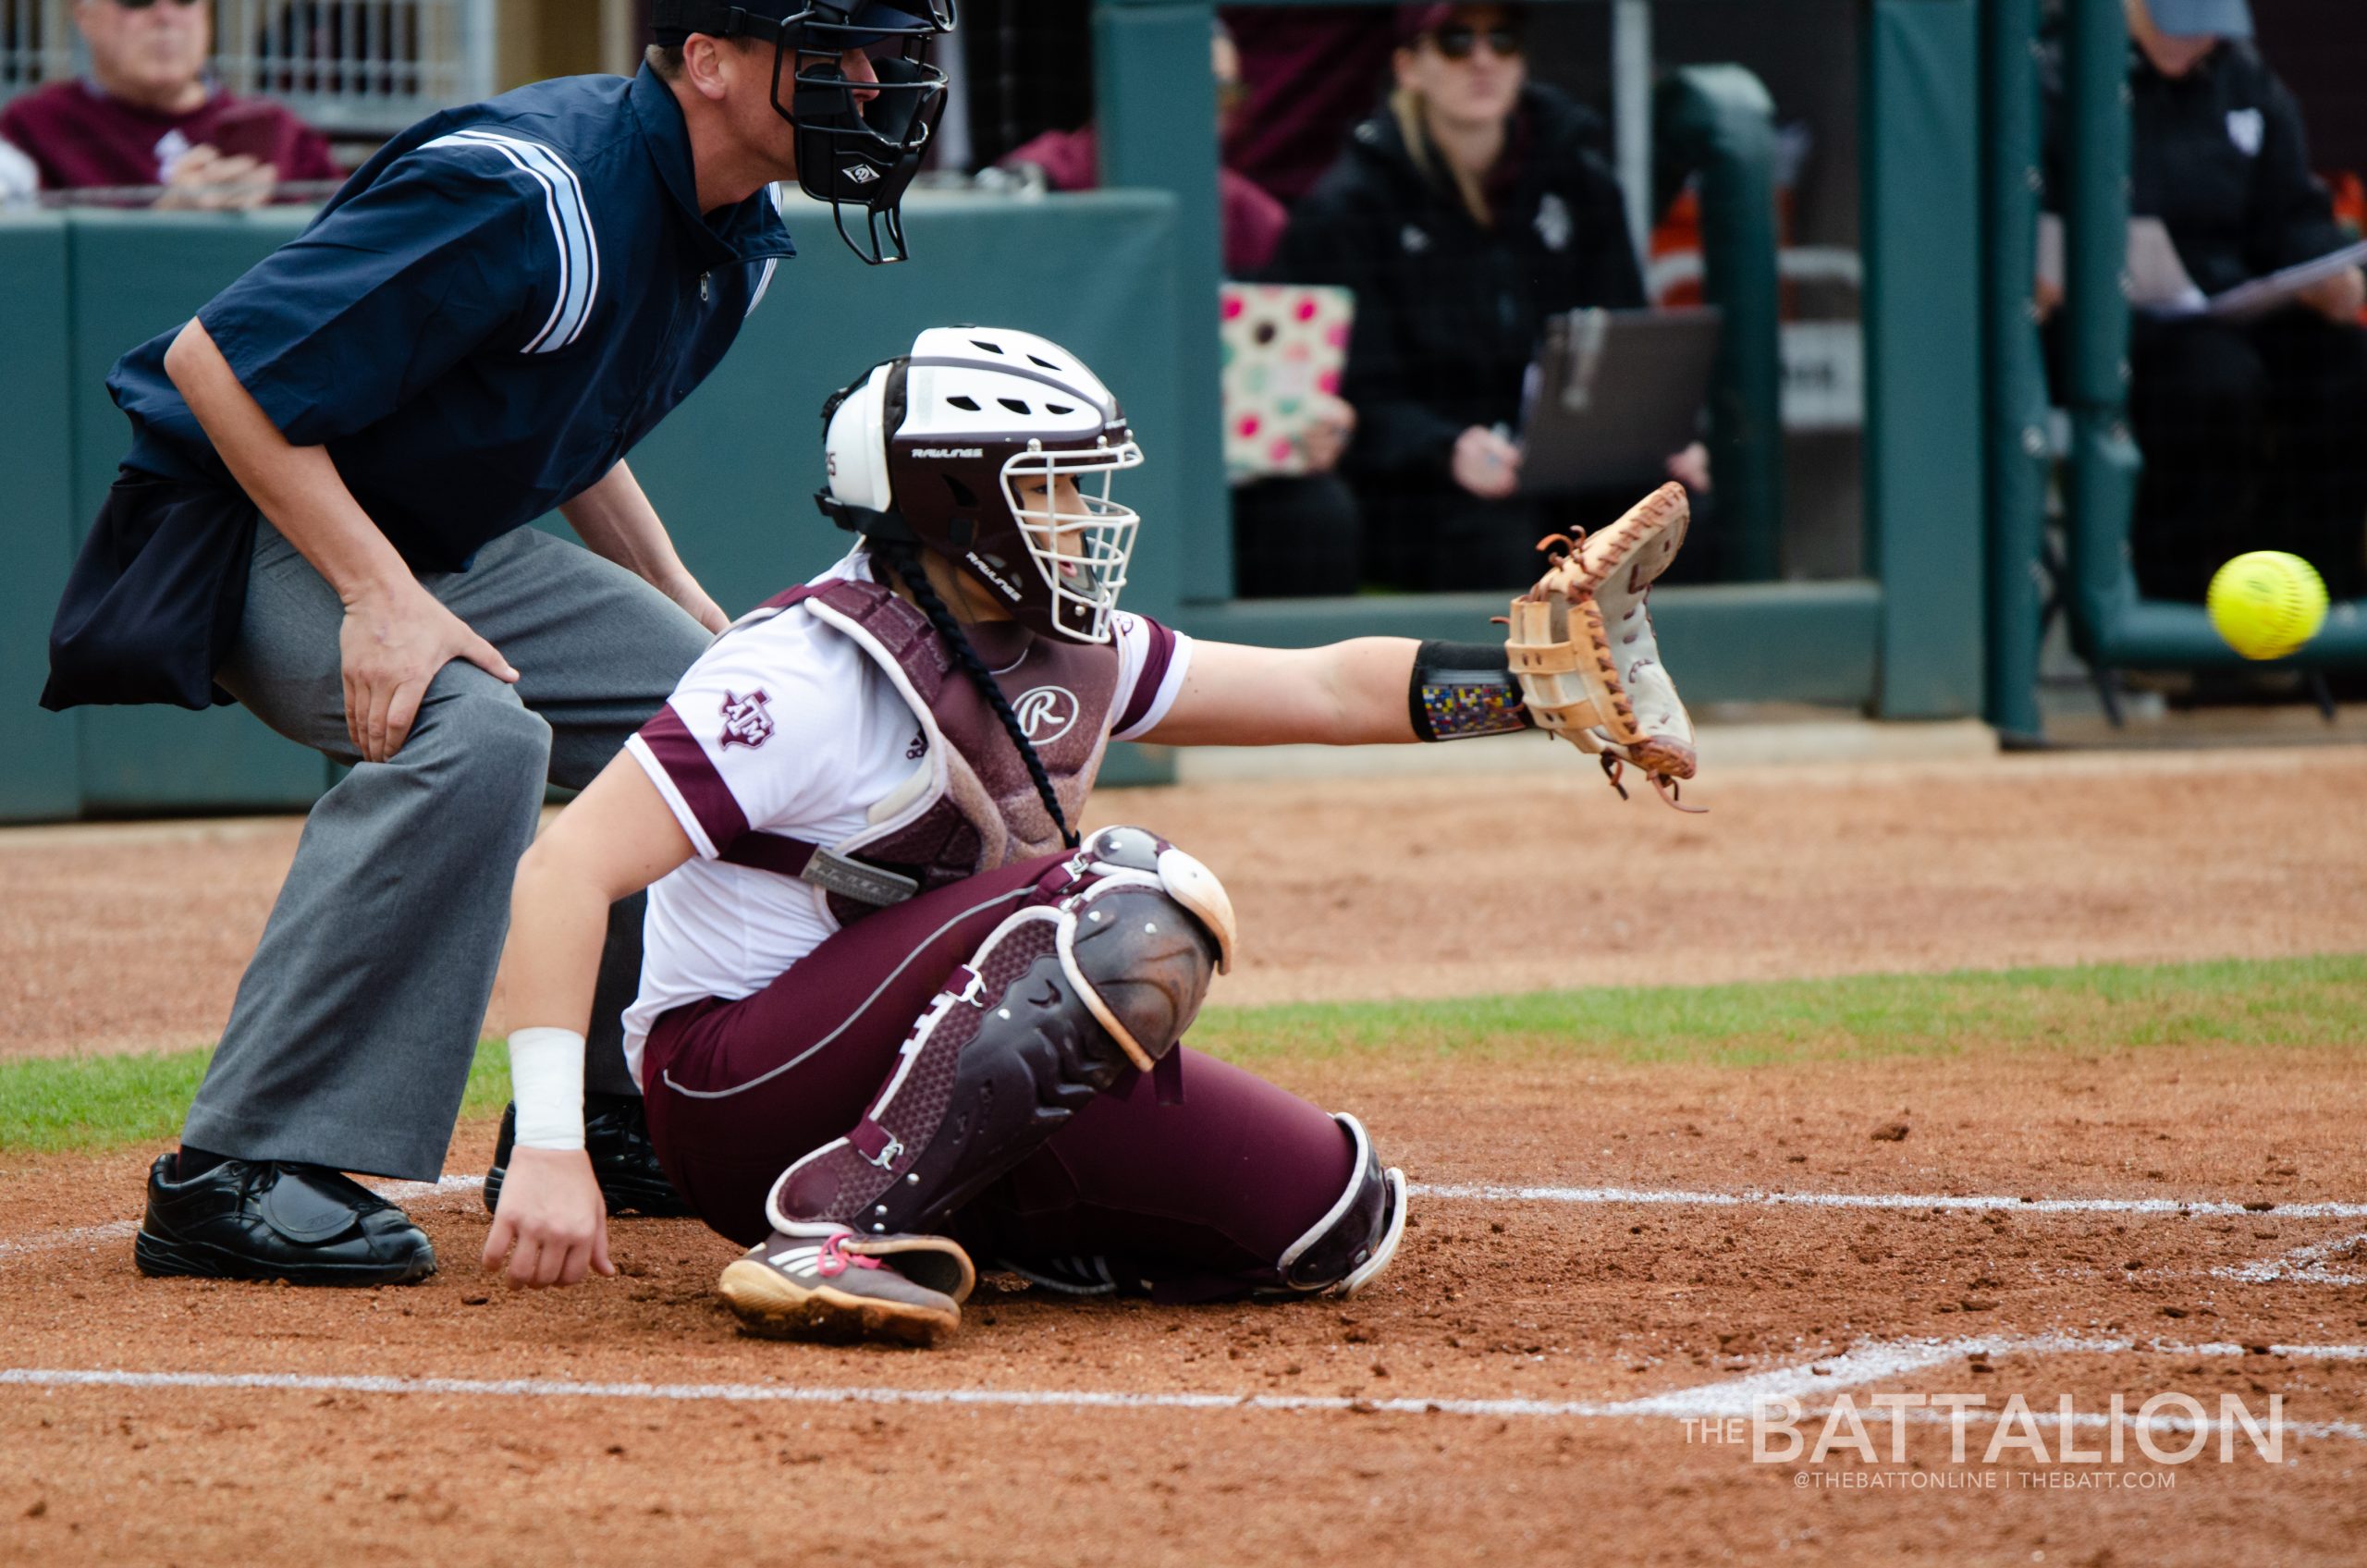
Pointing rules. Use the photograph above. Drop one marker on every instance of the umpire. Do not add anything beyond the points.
(323, 517)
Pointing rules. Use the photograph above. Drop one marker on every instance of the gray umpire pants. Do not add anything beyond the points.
(349, 1043)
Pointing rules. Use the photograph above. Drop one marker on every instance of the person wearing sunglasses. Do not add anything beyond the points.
(147, 116)
(1473, 206)
(326, 516)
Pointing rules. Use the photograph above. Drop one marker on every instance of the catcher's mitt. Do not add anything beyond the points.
(1582, 647)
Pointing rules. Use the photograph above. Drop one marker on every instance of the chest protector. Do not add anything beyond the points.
(971, 806)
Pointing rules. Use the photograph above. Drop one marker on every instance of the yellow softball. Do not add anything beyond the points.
(2266, 604)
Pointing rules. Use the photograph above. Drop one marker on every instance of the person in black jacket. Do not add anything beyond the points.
(2250, 430)
(1471, 208)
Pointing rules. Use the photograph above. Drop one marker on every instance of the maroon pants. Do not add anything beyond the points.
(1215, 1185)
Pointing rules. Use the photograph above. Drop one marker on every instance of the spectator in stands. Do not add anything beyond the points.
(2253, 432)
(1463, 214)
(1252, 221)
(1308, 74)
(147, 116)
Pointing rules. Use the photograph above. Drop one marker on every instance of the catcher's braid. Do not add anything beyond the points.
(905, 561)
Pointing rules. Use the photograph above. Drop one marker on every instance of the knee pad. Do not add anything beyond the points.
(1057, 1003)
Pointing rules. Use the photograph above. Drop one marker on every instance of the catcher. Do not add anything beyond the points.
(894, 1014)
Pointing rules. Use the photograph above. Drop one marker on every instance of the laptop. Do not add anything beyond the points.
(1613, 395)
(1282, 343)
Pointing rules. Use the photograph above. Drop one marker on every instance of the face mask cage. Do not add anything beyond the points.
(1081, 556)
(855, 151)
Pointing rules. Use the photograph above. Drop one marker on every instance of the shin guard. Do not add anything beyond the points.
(1342, 1251)
(1060, 1001)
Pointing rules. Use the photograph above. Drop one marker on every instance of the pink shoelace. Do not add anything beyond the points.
(835, 1259)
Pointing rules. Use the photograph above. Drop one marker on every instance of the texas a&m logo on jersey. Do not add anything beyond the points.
(1044, 712)
(745, 722)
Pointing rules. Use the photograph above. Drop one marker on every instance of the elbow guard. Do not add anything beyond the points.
(1462, 689)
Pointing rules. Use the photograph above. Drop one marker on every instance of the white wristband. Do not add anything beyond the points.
(547, 1080)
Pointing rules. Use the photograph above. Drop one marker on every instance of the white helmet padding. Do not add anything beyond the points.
(855, 447)
(934, 447)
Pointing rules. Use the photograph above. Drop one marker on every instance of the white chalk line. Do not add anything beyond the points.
(1945, 1201)
(55, 1240)
(1742, 1397)
(2301, 1272)
(2303, 1265)
(83, 1235)
(1084, 1398)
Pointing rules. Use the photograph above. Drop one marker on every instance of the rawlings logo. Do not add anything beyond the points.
(1045, 713)
(745, 722)
(948, 451)
(1010, 589)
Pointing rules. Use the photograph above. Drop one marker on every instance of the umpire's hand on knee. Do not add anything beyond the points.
(393, 641)
(552, 1223)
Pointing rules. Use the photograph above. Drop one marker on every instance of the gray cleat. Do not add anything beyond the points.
(840, 1286)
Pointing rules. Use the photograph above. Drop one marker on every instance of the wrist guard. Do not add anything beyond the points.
(1462, 689)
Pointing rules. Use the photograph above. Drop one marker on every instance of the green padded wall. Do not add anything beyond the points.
(1921, 104)
(39, 778)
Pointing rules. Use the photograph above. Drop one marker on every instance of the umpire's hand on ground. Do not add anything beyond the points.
(552, 1222)
(393, 642)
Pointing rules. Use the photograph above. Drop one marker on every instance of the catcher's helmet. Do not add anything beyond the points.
(850, 154)
(929, 447)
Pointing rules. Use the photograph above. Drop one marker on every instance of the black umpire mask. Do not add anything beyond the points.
(859, 143)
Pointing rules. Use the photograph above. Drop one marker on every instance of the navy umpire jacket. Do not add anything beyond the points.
(488, 316)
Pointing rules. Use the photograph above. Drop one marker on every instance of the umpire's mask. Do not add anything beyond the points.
(858, 143)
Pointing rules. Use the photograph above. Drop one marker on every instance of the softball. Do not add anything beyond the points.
(2266, 604)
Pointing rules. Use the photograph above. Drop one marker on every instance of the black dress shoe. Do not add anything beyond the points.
(616, 1134)
(267, 1220)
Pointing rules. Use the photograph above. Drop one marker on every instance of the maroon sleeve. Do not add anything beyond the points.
(693, 774)
(1156, 658)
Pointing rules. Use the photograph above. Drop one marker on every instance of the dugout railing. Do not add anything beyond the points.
(1903, 641)
(2113, 626)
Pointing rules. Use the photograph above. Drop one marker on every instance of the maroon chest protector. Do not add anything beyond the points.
(977, 808)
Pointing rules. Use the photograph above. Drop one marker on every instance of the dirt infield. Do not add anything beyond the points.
(1610, 1264)
(133, 937)
(1574, 1306)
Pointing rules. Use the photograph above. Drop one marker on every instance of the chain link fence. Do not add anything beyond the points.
(349, 68)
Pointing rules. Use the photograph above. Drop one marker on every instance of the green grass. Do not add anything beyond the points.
(103, 1102)
(2287, 1001)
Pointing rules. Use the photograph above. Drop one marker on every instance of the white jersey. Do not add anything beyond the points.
(785, 726)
